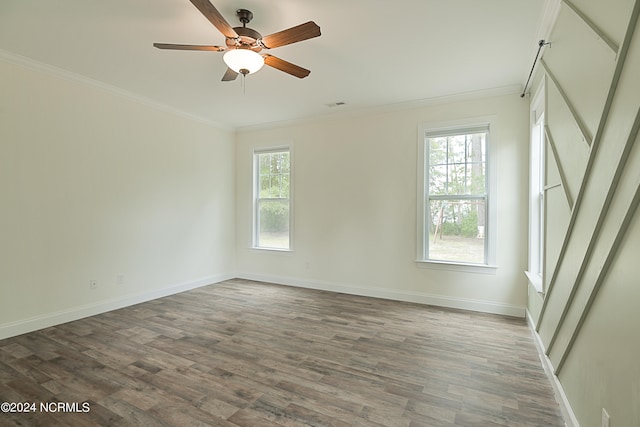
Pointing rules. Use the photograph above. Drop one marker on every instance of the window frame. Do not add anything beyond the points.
(457, 127)
(255, 235)
(537, 189)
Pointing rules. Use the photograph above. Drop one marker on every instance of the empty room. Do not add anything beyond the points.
(296, 213)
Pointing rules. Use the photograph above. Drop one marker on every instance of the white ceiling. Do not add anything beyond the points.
(371, 53)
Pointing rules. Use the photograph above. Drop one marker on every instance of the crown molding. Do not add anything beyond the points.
(26, 62)
(61, 73)
(387, 108)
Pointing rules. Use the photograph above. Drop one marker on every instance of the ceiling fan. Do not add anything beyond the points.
(243, 44)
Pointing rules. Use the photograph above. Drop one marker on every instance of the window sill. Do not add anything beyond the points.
(271, 250)
(457, 266)
(535, 280)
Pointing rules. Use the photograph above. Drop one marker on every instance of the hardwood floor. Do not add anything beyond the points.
(243, 353)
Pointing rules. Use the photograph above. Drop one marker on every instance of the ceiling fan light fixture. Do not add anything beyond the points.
(243, 61)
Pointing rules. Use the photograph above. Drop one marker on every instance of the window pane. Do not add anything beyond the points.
(456, 230)
(456, 179)
(274, 175)
(284, 162)
(264, 164)
(437, 151)
(285, 188)
(475, 179)
(438, 180)
(274, 190)
(457, 164)
(476, 162)
(476, 147)
(264, 185)
(457, 149)
(273, 230)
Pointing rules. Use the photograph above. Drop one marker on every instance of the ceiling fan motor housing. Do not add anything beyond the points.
(247, 39)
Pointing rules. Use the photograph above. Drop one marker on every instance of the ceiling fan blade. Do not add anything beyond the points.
(211, 13)
(188, 47)
(295, 34)
(230, 75)
(287, 67)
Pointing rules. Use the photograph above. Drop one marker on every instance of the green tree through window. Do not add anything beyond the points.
(456, 195)
(272, 199)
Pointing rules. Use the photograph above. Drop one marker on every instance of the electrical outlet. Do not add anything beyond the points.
(93, 284)
(605, 418)
(120, 279)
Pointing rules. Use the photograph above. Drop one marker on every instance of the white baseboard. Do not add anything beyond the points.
(569, 416)
(56, 318)
(393, 294)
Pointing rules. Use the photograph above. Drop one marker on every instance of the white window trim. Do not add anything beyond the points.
(491, 232)
(256, 189)
(536, 168)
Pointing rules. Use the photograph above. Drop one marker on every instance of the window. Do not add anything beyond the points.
(455, 195)
(272, 199)
(536, 192)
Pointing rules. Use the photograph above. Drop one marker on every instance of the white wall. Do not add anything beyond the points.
(588, 321)
(355, 207)
(95, 185)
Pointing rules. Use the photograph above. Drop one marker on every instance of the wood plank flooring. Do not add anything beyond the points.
(243, 353)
